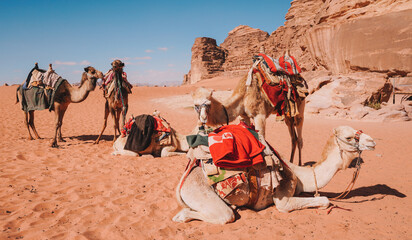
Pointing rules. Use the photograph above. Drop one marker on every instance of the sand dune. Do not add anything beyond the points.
(81, 191)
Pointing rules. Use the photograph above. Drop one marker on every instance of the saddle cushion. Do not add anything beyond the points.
(233, 146)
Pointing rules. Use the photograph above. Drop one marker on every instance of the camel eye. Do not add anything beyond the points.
(93, 72)
(197, 108)
(349, 139)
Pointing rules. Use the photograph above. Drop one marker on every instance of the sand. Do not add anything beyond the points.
(81, 191)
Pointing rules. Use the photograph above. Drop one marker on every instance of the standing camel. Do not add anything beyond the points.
(248, 102)
(63, 96)
(116, 94)
(201, 202)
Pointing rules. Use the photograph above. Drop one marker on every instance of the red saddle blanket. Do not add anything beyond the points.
(234, 146)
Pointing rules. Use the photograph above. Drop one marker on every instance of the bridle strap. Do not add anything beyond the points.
(351, 183)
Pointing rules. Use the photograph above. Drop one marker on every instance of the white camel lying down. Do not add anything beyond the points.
(201, 202)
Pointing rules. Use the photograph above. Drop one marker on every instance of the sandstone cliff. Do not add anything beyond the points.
(367, 41)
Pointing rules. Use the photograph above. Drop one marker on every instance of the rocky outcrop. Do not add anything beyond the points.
(207, 60)
(333, 40)
(241, 44)
(231, 58)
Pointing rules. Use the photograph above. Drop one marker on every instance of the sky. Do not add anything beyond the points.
(153, 38)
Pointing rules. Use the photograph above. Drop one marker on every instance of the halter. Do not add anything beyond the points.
(90, 75)
(198, 108)
(358, 165)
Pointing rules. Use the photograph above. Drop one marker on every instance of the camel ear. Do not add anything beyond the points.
(211, 93)
(86, 69)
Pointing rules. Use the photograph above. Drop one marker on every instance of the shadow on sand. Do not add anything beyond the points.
(92, 137)
(382, 190)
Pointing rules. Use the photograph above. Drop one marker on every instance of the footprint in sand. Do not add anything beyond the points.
(44, 207)
(20, 156)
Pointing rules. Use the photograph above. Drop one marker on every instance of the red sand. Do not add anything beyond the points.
(81, 191)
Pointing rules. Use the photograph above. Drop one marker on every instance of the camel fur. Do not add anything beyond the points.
(201, 202)
(64, 95)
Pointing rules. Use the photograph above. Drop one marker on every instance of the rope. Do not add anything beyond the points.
(351, 183)
(316, 182)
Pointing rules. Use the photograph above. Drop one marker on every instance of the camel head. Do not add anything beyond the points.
(117, 65)
(90, 77)
(202, 99)
(352, 141)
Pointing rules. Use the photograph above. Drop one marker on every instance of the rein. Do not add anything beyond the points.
(355, 174)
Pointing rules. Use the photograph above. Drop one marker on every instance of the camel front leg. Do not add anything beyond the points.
(31, 123)
(124, 112)
(289, 121)
(62, 112)
(260, 124)
(106, 115)
(201, 202)
(115, 123)
(288, 204)
(57, 124)
(26, 122)
(299, 128)
(119, 112)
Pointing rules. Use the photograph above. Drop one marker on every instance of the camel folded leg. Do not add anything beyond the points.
(202, 202)
(118, 147)
(288, 204)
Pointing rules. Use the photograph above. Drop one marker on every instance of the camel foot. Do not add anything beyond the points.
(54, 145)
(96, 142)
(30, 138)
(182, 216)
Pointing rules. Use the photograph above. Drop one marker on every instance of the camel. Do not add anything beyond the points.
(64, 95)
(248, 102)
(115, 104)
(201, 202)
(177, 146)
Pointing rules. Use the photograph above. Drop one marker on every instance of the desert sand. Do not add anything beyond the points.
(81, 191)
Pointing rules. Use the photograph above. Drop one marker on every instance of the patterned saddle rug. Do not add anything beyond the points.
(280, 82)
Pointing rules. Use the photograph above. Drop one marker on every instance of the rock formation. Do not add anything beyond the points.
(207, 60)
(353, 44)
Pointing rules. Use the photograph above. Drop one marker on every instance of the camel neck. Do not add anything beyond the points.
(78, 94)
(324, 170)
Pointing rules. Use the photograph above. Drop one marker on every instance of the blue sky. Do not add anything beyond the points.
(153, 38)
